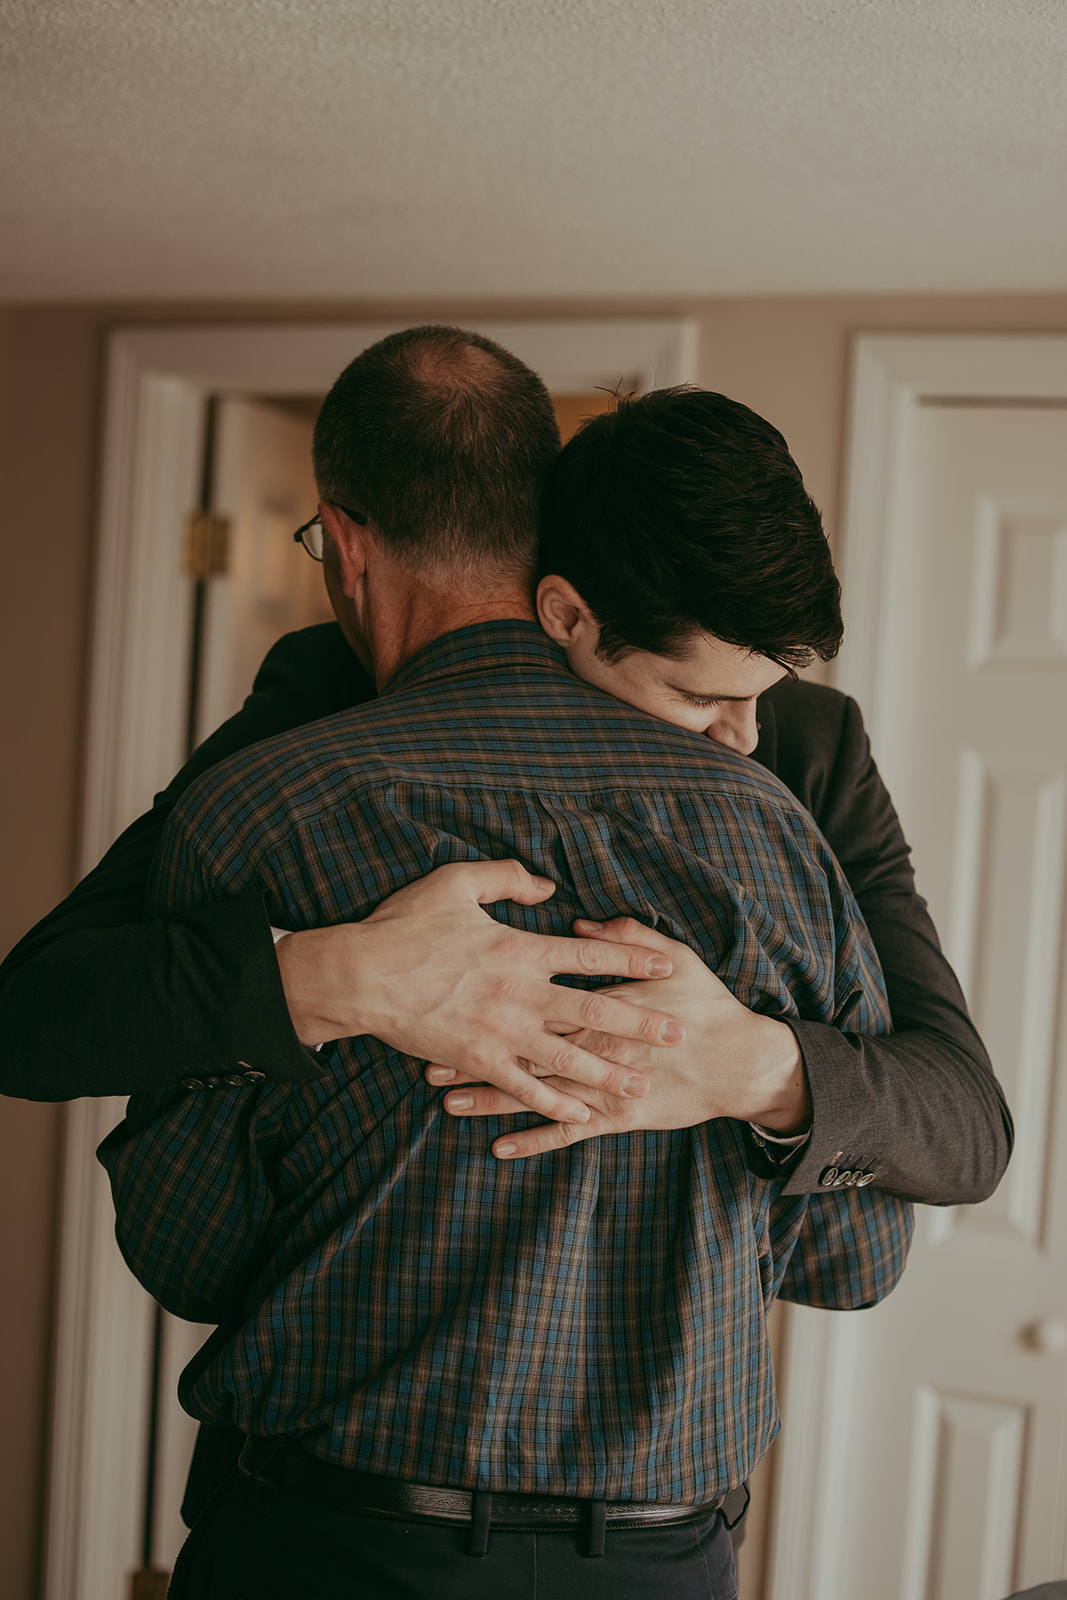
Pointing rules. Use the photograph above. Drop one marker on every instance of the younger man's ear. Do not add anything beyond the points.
(561, 610)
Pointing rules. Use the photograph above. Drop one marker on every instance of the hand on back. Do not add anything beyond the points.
(431, 973)
(732, 1063)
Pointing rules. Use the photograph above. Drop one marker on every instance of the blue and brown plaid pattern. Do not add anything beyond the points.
(588, 1323)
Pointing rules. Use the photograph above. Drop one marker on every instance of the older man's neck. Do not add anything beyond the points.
(412, 615)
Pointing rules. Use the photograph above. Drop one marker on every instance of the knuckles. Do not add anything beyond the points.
(595, 1011)
(588, 955)
(481, 1063)
(603, 1044)
(649, 1026)
(565, 1133)
(507, 990)
(563, 1062)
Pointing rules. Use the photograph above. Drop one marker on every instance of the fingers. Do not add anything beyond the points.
(481, 1101)
(617, 1052)
(448, 1077)
(488, 881)
(578, 1074)
(468, 883)
(566, 1059)
(627, 931)
(519, 1088)
(603, 957)
(603, 1011)
(609, 1047)
(547, 1136)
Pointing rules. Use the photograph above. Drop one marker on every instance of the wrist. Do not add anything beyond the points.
(781, 1094)
(316, 966)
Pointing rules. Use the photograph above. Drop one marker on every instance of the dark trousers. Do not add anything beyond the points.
(255, 1543)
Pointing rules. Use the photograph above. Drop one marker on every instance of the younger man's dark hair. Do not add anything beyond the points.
(445, 440)
(681, 511)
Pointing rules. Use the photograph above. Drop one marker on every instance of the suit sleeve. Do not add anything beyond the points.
(95, 1000)
(920, 1108)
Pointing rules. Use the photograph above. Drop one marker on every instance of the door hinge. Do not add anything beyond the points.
(207, 545)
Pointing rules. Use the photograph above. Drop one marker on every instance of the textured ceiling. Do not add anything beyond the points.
(531, 147)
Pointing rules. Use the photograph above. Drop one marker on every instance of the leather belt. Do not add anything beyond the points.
(289, 1468)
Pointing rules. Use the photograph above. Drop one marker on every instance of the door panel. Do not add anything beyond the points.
(264, 484)
(957, 1402)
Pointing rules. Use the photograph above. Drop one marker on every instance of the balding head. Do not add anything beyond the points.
(445, 441)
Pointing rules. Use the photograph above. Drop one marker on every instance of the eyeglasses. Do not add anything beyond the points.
(311, 535)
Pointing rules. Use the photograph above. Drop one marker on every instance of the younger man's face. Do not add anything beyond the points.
(711, 688)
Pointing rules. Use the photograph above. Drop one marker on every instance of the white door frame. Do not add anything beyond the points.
(157, 384)
(891, 378)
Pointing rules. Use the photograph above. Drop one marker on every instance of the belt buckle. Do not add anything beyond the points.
(256, 1456)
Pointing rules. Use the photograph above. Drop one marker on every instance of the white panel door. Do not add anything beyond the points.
(950, 1480)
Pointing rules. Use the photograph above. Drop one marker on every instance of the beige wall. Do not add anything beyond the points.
(785, 357)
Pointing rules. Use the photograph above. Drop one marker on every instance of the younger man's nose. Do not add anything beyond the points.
(735, 725)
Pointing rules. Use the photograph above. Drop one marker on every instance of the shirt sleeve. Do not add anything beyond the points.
(919, 1110)
(850, 1250)
(95, 1000)
(202, 1272)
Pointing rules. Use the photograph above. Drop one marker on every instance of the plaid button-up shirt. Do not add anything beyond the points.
(590, 1322)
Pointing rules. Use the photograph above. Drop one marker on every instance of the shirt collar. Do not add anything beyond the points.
(508, 645)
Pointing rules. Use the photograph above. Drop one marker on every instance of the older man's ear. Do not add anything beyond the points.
(345, 547)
